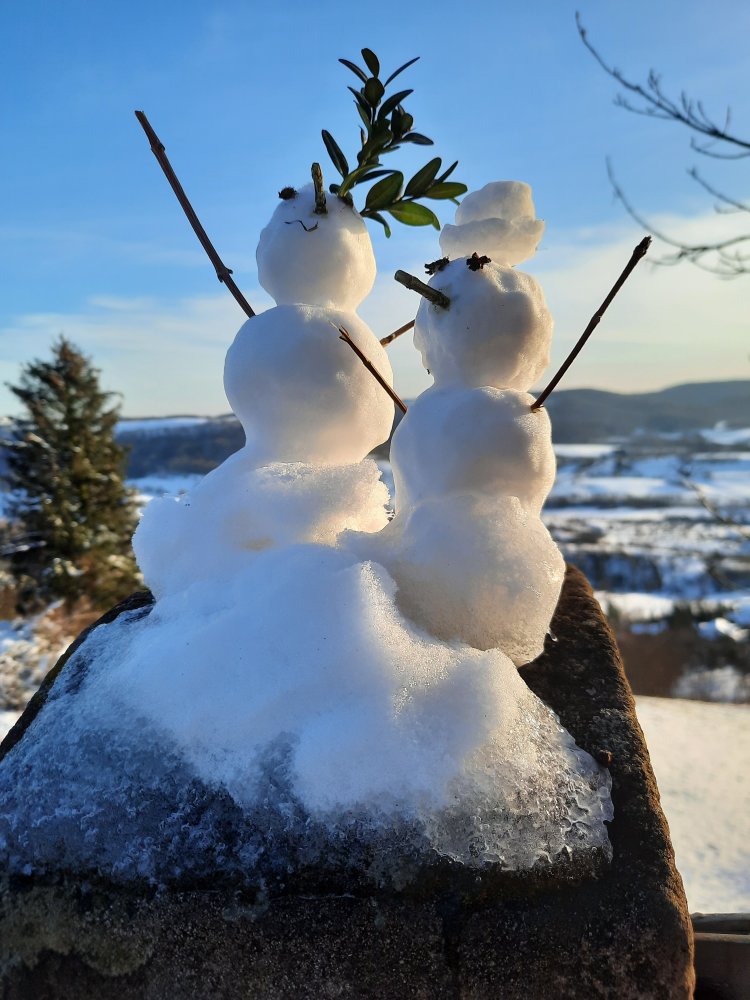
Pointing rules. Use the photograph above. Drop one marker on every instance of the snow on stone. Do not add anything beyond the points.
(486, 440)
(324, 260)
(291, 707)
(699, 753)
(499, 220)
(301, 393)
(496, 331)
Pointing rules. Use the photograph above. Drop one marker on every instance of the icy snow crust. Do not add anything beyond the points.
(158, 757)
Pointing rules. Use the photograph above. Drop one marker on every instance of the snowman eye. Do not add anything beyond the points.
(287, 194)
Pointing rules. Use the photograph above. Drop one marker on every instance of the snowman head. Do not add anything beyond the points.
(495, 332)
(322, 259)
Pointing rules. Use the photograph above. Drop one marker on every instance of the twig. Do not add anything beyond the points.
(415, 285)
(344, 335)
(396, 333)
(639, 252)
(223, 273)
(741, 529)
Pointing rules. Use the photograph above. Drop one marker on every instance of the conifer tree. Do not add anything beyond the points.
(73, 512)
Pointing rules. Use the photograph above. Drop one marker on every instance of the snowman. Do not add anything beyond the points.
(310, 410)
(472, 463)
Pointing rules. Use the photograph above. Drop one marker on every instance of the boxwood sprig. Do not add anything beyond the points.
(387, 126)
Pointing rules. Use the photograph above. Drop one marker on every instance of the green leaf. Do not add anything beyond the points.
(401, 70)
(365, 119)
(355, 69)
(371, 61)
(362, 103)
(406, 122)
(451, 190)
(393, 102)
(334, 188)
(385, 192)
(423, 178)
(446, 173)
(337, 157)
(372, 174)
(412, 214)
(379, 218)
(417, 138)
(374, 91)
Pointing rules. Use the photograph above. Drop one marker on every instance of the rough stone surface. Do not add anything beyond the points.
(575, 930)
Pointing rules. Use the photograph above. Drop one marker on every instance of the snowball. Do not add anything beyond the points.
(509, 200)
(324, 260)
(478, 570)
(499, 221)
(301, 393)
(486, 440)
(496, 331)
(239, 510)
(288, 718)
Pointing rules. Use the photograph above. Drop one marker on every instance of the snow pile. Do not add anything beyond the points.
(313, 675)
(498, 220)
(316, 709)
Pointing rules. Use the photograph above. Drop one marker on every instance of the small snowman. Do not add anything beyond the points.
(310, 408)
(472, 462)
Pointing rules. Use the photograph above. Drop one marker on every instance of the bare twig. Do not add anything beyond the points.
(639, 252)
(732, 262)
(223, 273)
(344, 335)
(415, 285)
(656, 104)
(396, 333)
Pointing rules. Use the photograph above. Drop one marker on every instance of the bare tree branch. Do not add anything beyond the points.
(657, 104)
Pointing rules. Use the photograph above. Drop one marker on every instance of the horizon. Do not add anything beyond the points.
(96, 247)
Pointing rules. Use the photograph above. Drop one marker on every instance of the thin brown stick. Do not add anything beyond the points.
(415, 285)
(223, 273)
(344, 335)
(396, 333)
(638, 254)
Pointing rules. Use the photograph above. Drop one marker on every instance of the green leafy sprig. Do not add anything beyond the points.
(387, 126)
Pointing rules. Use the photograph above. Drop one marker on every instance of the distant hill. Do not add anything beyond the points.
(187, 444)
(580, 415)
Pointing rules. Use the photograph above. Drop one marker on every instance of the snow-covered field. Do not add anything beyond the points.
(700, 754)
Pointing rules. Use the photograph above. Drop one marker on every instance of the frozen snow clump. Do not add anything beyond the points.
(238, 510)
(480, 570)
(301, 393)
(294, 709)
(499, 220)
(496, 331)
(324, 260)
(486, 440)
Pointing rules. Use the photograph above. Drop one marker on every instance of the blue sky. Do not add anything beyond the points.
(94, 245)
